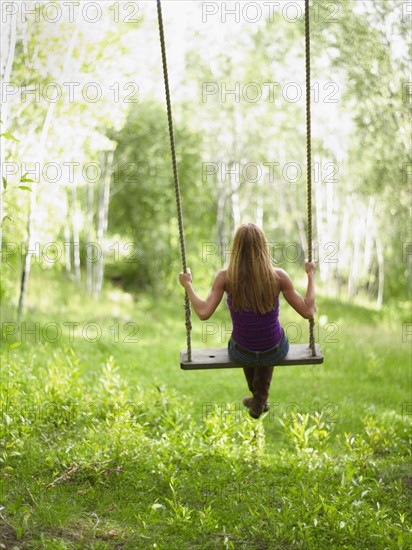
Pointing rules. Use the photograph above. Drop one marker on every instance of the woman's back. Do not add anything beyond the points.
(256, 331)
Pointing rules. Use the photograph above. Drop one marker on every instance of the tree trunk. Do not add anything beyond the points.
(302, 235)
(99, 233)
(328, 232)
(234, 196)
(259, 206)
(67, 238)
(220, 218)
(342, 242)
(381, 271)
(355, 261)
(5, 77)
(371, 282)
(31, 235)
(89, 257)
(103, 217)
(369, 235)
(76, 235)
(319, 222)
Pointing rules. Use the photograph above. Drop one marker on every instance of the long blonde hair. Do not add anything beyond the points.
(252, 282)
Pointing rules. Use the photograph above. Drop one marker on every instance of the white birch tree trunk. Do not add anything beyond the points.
(355, 260)
(31, 225)
(103, 218)
(10, 36)
(76, 235)
(89, 260)
(369, 235)
(67, 238)
(381, 271)
(319, 215)
(259, 206)
(234, 187)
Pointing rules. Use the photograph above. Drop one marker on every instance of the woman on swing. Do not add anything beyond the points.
(253, 286)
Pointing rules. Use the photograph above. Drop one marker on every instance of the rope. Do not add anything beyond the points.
(309, 160)
(176, 178)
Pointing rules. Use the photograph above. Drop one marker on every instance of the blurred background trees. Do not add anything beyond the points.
(97, 159)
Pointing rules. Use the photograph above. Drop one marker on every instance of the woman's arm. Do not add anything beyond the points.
(204, 308)
(304, 306)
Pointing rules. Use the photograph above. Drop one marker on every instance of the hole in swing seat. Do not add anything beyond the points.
(212, 356)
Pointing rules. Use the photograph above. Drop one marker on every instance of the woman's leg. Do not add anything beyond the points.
(258, 379)
(249, 375)
(261, 386)
(263, 378)
(249, 372)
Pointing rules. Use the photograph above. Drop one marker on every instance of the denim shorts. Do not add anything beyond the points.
(258, 361)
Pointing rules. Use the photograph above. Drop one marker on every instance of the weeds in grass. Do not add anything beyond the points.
(89, 460)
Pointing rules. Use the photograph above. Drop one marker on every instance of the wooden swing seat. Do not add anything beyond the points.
(218, 358)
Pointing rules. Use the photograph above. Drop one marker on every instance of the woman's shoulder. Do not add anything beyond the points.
(221, 277)
(282, 277)
(280, 273)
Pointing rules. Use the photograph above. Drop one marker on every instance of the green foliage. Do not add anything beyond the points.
(365, 134)
(84, 441)
(143, 206)
(9, 257)
(110, 444)
(375, 93)
(7, 135)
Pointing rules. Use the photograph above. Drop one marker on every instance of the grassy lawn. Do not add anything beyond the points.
(108, 444)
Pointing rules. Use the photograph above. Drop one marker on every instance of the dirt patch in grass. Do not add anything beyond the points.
(77, 535)
(8, 536)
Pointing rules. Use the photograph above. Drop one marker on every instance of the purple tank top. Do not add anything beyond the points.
(256, 331)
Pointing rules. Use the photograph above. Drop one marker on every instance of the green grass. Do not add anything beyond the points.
(110, 445)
